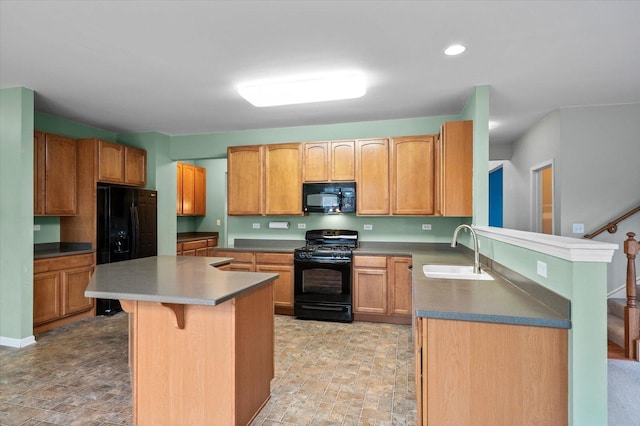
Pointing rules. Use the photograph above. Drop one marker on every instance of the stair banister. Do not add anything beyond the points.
(612, 226)
(631, 320)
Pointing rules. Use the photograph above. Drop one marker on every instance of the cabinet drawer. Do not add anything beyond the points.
(237, 256)
(370, 261)
(212, 242)
(62, 262)
(193, 245)
(179, 247)
(275, 258)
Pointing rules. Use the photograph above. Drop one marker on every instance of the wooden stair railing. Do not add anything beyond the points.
(631, 312)
(612, 226)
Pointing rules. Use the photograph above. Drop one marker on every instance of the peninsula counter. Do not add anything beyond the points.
(200, 339)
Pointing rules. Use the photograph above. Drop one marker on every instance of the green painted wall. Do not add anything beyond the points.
(477, 109)
(73, 129)
(394, 229)
(49, 231)
(16, 213)
(214, 145)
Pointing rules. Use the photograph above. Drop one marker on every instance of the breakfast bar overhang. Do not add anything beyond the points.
(200, 339)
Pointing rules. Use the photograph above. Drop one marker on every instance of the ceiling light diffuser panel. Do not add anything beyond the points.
(304, 89)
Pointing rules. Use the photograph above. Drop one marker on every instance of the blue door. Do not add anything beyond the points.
(495, 198)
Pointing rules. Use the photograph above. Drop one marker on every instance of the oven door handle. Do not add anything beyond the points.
(324, 308)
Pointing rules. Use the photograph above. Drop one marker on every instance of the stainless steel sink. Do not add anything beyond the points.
(454, 272)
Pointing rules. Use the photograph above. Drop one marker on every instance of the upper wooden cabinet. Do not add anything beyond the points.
(54, 175)
(265, 179)
(283, 179)
(329, 161)
(372, 168)
(121, 164)
(110, 162)
(191, 197)
(200, 191)
(316, 162)
(412, 175)
(454, 169)
(179, 194)
(135, 166)
(245, 174)
(188, 190)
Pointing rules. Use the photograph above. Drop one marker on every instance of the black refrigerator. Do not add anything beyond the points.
(127, 229)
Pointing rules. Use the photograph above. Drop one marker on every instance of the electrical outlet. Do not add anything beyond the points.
(542, 269)
(578, 228)
(426, 227)
(217, 222)
(256, 226)
(302, 226)
(368, 227)
(36, 227)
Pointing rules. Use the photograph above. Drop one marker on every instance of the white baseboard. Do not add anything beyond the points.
(17, 343)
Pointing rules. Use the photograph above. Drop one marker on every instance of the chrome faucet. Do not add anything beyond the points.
(476, 255)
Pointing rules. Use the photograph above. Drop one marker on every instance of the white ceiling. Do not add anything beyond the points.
(172, 66)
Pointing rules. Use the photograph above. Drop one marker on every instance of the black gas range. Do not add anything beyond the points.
(322, 275)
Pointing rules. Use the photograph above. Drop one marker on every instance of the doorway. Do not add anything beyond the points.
(496, 197)
(542, 198)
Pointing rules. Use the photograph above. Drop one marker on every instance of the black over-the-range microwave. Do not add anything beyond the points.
(332, 197)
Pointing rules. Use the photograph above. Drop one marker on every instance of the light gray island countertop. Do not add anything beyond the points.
(189, 280)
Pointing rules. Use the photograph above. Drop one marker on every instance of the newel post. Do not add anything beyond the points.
(631, 312)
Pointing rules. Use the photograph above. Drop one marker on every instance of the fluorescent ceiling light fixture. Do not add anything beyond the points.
(454, 49)
(304, 89)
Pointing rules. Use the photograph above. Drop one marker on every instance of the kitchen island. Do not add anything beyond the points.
(200, 339)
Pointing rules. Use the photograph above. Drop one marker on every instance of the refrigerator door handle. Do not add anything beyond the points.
(135, 228)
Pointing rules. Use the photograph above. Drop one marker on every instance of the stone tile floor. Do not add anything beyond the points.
(326, 374)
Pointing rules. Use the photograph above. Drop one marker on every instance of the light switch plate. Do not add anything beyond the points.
(578, 228)
(36, 227)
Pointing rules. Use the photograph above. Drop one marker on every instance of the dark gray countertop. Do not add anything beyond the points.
(194, 236)
(499, 301)
(267, 246)
(509, 299)
(188, 280)
(45, 250)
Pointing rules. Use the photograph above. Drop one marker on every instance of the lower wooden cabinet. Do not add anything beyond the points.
(204, 247)
(382, 289)
(278, 263)
(282, 264)
(243, 261)
(490, 374)
(58, 290)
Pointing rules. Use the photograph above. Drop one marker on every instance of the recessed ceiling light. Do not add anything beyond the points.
(493, 124)
(304, 89)
(454, 49)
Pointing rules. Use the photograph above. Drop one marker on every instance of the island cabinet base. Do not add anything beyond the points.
(474, 373)
(215, 370)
